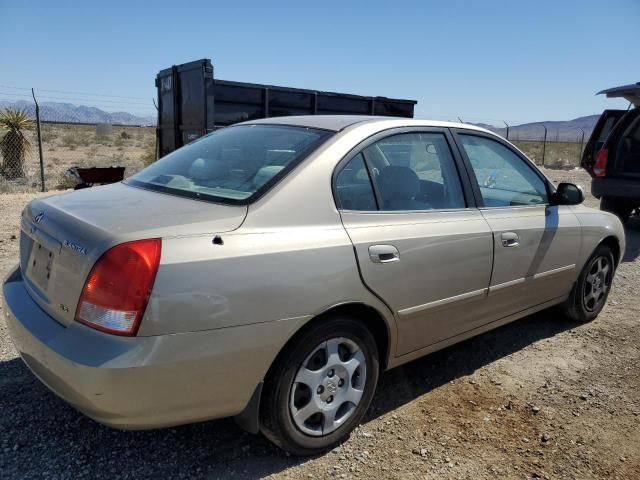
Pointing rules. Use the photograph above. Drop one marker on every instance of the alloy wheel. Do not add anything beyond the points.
(597, 284)
(328, 386)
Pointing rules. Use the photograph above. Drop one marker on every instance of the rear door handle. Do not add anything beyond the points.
(510, 239)
(384, 254)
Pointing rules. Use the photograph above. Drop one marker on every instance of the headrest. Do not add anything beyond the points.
(398, 182)
(265, 174)
(207, 169)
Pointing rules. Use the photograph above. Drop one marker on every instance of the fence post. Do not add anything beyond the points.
(507, 136)
(39, 141)
(581, 147)
(544, 143)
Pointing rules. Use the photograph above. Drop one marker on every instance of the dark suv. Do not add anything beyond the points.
(612, 154)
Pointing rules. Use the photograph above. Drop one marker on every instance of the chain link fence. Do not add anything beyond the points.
(65, 142)
(66, 145)
(556, 145)
(561, 149)
(71, 134)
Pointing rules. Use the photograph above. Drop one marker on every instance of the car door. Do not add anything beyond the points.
(536, 245)
(421, 244)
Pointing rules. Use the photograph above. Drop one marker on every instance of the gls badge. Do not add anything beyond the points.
(75, 247)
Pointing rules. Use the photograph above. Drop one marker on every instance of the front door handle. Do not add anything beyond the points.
(383, 254)
(510, 239)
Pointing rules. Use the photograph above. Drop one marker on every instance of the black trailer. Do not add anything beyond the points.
(192, 103)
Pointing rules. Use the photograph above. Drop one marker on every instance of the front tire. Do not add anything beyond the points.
(320, 387)
(589, 294)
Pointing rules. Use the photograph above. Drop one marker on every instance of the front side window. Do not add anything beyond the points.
(504, 178)
(232, 164)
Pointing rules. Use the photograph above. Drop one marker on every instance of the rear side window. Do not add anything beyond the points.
(606, 130)
(628, 148)
(353, 186)
(410, 171)
(504, 178)
(415, 171)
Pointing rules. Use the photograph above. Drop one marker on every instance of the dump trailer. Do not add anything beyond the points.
(191, 103)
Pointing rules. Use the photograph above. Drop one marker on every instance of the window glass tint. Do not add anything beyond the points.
(504, 178)
(353, 187)
(415, 171)
(606, 129)
(231, 164)
(628, 148)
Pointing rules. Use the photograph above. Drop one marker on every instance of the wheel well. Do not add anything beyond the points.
(249, 418)
(612, 243)
(370, 318)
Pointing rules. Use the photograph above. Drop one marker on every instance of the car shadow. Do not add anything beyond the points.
(431, 372)
(43, 436)
(632, 230)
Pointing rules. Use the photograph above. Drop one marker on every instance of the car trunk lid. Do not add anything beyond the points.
(62, 236)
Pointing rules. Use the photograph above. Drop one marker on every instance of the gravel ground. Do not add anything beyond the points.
(539, 398)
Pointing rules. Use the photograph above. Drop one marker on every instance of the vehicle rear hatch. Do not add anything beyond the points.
(62, 236)
(630, 92)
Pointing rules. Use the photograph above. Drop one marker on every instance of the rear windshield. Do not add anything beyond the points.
(231, 165)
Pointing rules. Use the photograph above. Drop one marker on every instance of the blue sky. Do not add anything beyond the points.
(483, 61)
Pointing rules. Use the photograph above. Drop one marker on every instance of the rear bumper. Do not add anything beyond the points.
(143, 382)
(616, 187)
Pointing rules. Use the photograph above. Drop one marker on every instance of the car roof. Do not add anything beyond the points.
(338, 122)
(630, 92)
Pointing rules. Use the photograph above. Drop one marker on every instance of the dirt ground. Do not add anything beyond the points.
(539, 398)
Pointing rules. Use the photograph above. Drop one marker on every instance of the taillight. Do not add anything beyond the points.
(600, 167)
(117, 289)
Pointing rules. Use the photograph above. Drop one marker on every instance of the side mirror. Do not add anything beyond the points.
(567, 194)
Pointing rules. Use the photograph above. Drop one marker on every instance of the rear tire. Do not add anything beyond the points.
(320, 387)
(618, 207)
(590, 292)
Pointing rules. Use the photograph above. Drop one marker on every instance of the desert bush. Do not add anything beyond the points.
(48, 135)
(14, 144)
(102, 140)
(68, 140)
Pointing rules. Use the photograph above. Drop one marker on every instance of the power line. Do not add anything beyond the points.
(76, 99)
(72, 93)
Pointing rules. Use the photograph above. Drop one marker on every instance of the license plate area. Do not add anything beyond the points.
(40, 266)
